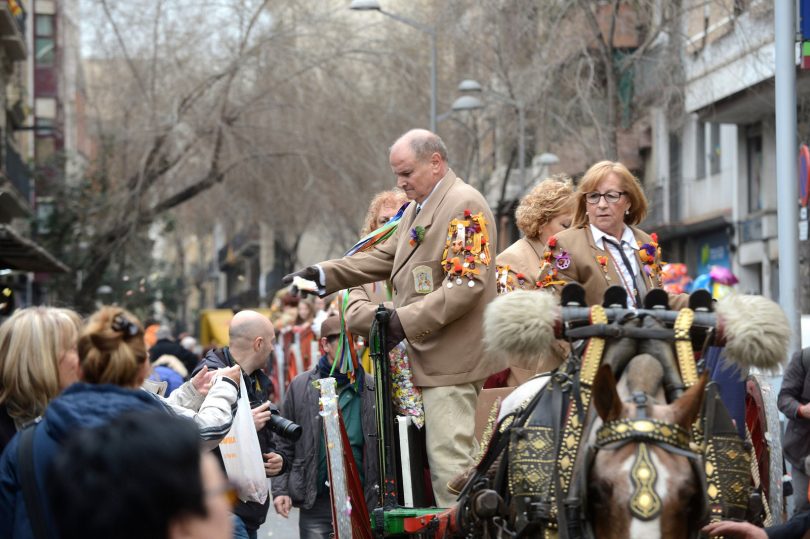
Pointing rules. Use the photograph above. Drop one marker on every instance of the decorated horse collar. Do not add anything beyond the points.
(653, 431)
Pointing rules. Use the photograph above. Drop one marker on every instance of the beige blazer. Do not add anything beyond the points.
(524, 256)
(363, 303)
(586, 270)
(443, 326)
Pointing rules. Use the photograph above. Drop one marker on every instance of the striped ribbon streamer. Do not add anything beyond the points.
(378, 236)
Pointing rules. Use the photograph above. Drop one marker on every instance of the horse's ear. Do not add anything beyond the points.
(605, 397)
(686, 409)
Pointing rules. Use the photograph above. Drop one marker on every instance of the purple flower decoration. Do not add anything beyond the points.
(563, 260)
(650, 249)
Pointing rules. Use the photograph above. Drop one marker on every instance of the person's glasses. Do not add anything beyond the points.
(611, 197)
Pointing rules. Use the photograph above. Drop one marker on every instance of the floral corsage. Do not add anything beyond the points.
(417, 235)
(650, 255)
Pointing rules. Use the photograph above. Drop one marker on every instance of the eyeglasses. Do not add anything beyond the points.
(611, 197)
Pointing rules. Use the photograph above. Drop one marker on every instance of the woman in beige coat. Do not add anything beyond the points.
(545, 211)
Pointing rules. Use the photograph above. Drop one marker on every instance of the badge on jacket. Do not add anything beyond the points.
(423, 279)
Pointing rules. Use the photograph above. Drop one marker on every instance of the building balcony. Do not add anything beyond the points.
(15, 187)
(12, 29)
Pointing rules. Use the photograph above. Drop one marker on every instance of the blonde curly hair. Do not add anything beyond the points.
(394, 198)
(547, 200)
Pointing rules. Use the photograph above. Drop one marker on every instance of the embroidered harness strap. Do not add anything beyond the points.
(683, 347)
(672, 437)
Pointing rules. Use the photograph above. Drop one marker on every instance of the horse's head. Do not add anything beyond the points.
(642, 483)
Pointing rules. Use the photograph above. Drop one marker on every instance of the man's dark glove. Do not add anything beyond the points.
(395, 333)
(310, 273)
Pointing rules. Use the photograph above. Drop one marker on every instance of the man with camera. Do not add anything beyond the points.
(251, 340)
(306, 486)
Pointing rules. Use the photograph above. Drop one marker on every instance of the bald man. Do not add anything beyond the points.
(251, 340)
(440, 264)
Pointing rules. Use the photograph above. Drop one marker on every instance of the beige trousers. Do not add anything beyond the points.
(449, 434)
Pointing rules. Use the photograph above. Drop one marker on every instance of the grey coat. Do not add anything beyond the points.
(795, 392)
(301, 406)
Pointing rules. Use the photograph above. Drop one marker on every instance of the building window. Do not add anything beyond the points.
(754, 167)
(44, 42)
(714, 149)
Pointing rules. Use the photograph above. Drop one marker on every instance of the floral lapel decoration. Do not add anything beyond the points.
(563, 260)
(504, 282)
(417, 235)
(650, 256)
(603, 263)
(466, 249)
(551, 263)
(550, 279)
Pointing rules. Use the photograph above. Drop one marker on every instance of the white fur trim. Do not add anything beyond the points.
(756, 331)
(519, 326)
(173, 363)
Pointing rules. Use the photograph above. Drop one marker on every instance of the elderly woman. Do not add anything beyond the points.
(546, 210)
(38, 360)
(604, 247)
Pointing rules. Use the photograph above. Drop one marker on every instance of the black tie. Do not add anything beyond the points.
(626, 262)
(418, 209)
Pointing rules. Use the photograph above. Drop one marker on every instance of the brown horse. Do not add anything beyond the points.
(644, 481)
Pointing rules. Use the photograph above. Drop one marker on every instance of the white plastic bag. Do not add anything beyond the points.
(242, 454)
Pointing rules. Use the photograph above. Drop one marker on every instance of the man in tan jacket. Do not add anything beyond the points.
(442, 271)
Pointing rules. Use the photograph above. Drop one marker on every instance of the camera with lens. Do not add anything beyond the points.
(283, 426)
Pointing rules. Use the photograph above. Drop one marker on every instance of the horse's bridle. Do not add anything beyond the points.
(645, 504)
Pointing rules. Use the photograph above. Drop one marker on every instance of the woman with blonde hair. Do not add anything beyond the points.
(544, 211)
(113, 364)
(38, 360)
(604, 246)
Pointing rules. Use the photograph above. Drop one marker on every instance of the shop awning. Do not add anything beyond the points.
(214, 325)
(20, 253)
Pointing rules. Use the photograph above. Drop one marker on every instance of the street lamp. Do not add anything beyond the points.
(470, 85)
(374, 5)
(545, 160)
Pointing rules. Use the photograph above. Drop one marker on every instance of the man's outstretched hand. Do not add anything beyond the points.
(395, 332)
(310, 273)
(305, 281)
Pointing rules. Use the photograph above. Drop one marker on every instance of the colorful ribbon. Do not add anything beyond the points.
(378, 236)
(346, 360)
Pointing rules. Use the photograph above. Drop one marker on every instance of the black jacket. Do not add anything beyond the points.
(301, 406)
(173, 348)
(794, 528)
(252, 513)
(795, 392)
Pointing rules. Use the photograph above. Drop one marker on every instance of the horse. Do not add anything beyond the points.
(638, 484)
(576, 454)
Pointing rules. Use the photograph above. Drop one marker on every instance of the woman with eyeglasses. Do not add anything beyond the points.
(604, 247)
(113, 364)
